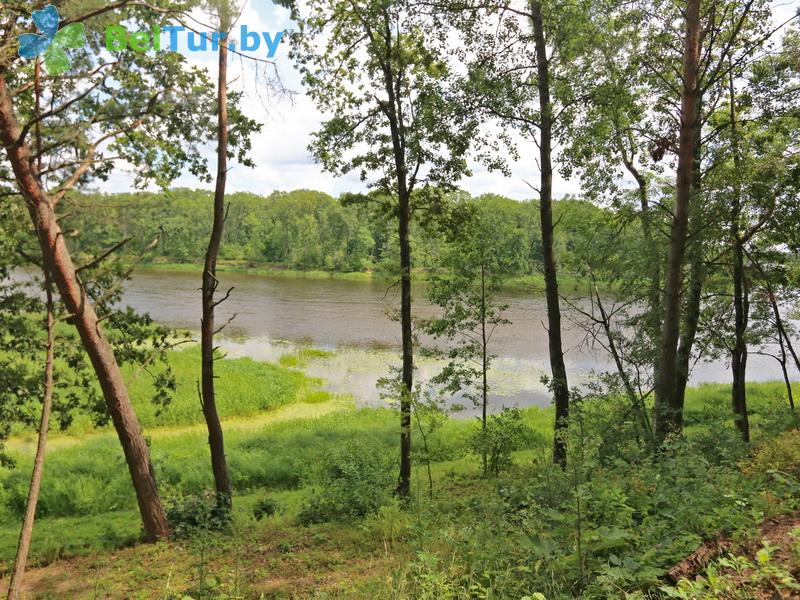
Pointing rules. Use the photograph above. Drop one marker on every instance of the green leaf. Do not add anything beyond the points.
(71, 36)
(56, 60)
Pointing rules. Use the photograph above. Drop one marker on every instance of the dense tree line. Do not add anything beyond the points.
(309, 230)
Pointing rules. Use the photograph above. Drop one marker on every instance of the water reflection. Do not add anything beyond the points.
(275, 316)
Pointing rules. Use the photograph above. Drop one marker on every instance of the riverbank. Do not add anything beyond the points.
(520, 283)
(466, 530)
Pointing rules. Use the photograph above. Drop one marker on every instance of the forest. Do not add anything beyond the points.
(306, 231)
(405, 390)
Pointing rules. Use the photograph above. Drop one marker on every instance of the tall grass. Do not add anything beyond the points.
(244, 387)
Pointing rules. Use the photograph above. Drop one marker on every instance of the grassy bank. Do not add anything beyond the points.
(227, 266)
(518, 283)
(502, 537)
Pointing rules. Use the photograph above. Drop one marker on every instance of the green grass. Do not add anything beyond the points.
(228, 266)
(87, 479)
(302, 357)
(244, 387)
(87, 505)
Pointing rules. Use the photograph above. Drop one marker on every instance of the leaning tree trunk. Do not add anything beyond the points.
(557, 367)
(216, 442)
(15, 587)
(668, 413)
(57, 259)
(786, 379)
(740, 294)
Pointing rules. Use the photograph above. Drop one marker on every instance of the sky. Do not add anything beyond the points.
(280, 151)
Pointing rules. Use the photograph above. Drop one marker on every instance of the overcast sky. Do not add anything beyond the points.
(280, 150)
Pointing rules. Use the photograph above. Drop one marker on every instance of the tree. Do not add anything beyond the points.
(26, 531)
(464, 289)
(736, 30)
(379, 68)
(148, 111)
(668, 412)
(532, 99)
(225, 12)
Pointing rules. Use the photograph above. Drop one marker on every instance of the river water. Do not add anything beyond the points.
(276, 315)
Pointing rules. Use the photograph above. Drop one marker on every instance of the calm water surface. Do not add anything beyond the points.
(276, 315)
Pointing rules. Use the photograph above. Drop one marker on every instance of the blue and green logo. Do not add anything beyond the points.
(52, 42)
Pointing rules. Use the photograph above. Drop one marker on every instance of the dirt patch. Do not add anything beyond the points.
(775, 531)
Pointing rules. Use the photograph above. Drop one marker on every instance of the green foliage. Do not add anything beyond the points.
(605, 527)
(781, 454)
(245, 387)
(192, 515)
(743, 577)
(464, 286)
(276, 233)
(504, 433)
(354, 482)
(265, 506)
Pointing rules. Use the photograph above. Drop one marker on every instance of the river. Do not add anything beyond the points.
(276, 315)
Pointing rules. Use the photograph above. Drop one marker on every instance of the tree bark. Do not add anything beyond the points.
(691, 320)
(17, 575)
(557, 367)
(484, 367)
(668, 414)
(58, 261)
(393, 110)
(216, 442)
(786, 380)
(691, 317)
(404, 483)
(740, 293)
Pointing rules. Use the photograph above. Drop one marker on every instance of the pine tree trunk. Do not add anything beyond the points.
(667, 412)
(17, 575)
(216, 443)
(694, 290)
(557, 367)
(58, 261)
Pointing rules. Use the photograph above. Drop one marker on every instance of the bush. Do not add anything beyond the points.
(190, 515)
(504, 433)
(779, 454)
(265, 507)
(355, 481)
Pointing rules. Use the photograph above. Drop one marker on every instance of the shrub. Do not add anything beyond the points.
(190, 515)
(504, 433)
(265, 507)
(779, 454)
(354, 482)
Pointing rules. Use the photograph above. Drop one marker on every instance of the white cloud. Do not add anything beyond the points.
(280, 149)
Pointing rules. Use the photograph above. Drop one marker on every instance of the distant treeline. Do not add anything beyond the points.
(306, 230)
